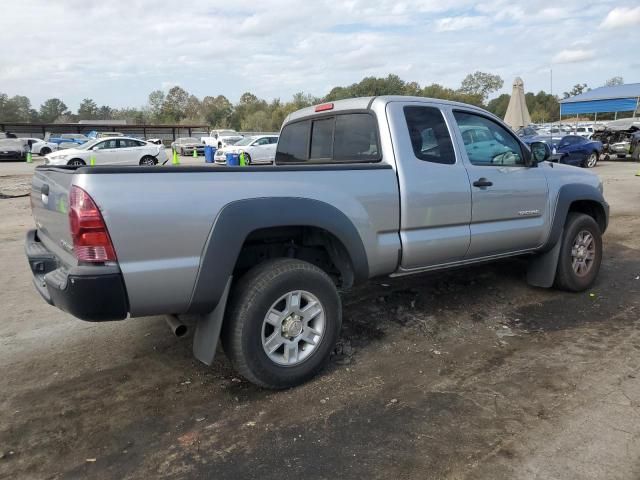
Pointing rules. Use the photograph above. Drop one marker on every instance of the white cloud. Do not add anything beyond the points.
(274, 48)
(573, 56)
(451, 24)
(621, 17)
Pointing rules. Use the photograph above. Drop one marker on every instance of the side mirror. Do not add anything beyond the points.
(540, 152)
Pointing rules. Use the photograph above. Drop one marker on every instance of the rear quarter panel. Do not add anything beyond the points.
(159, 222)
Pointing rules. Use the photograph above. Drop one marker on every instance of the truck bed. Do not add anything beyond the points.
(160, 219)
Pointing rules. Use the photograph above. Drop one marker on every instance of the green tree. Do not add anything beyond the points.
(88, 109)
(193, 109)
(155, 100)
(614, 81)
(481, 83)
(175, 104)
(258, 121)
(498, 106)
(217, 110)
(105, 112)
(577, 89)
(51, 109)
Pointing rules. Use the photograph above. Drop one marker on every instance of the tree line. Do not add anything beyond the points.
(251, 113)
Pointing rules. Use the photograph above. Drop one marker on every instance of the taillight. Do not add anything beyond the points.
(91, 241)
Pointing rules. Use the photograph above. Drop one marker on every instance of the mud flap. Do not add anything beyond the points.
(205, 340)
(541, 271)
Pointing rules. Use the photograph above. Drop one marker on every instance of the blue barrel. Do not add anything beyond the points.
(209, 152)
(233, 159)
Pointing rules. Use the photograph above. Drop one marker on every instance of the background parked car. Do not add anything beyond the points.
(13, 149)
(42, 148)
(259, 149)
(67, 140)
(583, 131)
(110, 151)
(578, 151)
(221, 138)
(186, 146)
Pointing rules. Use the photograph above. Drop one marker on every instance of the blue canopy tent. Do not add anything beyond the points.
(618, 98)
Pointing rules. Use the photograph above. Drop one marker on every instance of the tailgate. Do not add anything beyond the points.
(50, 207)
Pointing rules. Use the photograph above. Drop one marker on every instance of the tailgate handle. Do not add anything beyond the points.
(44, 190)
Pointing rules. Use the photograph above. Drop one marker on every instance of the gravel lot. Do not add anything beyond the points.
(468, 374)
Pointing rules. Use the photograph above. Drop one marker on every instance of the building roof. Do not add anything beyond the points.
(629, 90)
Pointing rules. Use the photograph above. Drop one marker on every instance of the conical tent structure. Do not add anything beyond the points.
(517, 115)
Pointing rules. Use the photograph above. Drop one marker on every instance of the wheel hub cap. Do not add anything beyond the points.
(292, 326)
(583, 253)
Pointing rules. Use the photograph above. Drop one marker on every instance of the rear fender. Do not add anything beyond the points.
(238, 219)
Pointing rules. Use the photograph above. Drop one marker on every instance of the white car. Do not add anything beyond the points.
(583, 131)
(110, 151)
(221, 138)
(258, 150)
(43, 148)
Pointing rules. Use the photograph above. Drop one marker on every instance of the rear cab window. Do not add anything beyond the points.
(339, 138)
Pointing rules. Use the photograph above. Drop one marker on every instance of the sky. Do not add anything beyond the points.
(116, 52)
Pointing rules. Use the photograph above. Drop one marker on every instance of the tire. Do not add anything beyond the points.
(148, 160)
(45, 151)
(567, 277)
(247, 158)
(182, 152)
(77, 162)
(591, 161)
(248, 332)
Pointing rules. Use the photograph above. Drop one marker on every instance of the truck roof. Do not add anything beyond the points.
(365, 103)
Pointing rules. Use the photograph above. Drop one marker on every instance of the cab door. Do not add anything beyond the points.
(510, 206)
(435, 195)
(106, 152)
(259, 150)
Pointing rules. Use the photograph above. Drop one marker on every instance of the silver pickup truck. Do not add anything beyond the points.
(361, 188)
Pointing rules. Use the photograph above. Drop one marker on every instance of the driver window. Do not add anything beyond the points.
(487, 143)
(429, 135)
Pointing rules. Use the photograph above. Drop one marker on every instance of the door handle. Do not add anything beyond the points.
(482, 182)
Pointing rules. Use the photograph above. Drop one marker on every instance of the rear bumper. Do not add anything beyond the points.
(92, 293)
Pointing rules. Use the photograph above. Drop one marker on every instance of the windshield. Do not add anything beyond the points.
(243, 142)
(189, 140)
(225, 133)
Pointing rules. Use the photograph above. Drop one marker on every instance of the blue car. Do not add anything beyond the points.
(76, 138)
(572, 149)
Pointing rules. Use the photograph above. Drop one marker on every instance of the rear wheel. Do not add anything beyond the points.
(45, 151)
(580, 253)
(591, 160)
(282, 323)
(76, 162)
(148, 160)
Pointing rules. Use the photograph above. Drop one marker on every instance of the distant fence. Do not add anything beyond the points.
(166, 132)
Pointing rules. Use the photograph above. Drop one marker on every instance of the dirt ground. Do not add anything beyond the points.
(470, 374)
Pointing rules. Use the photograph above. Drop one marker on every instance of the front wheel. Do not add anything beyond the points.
(148, 161)
(283, 320)
(45, 151)
(580, 253)
(76, 162)
(591, 160)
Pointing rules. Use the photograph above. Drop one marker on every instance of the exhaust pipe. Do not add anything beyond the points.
(178, 328)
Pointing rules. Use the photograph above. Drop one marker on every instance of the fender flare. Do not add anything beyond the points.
(238, 219)
(568, 194)
(541, 271)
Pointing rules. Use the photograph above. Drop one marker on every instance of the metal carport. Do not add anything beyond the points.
(618, 98)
